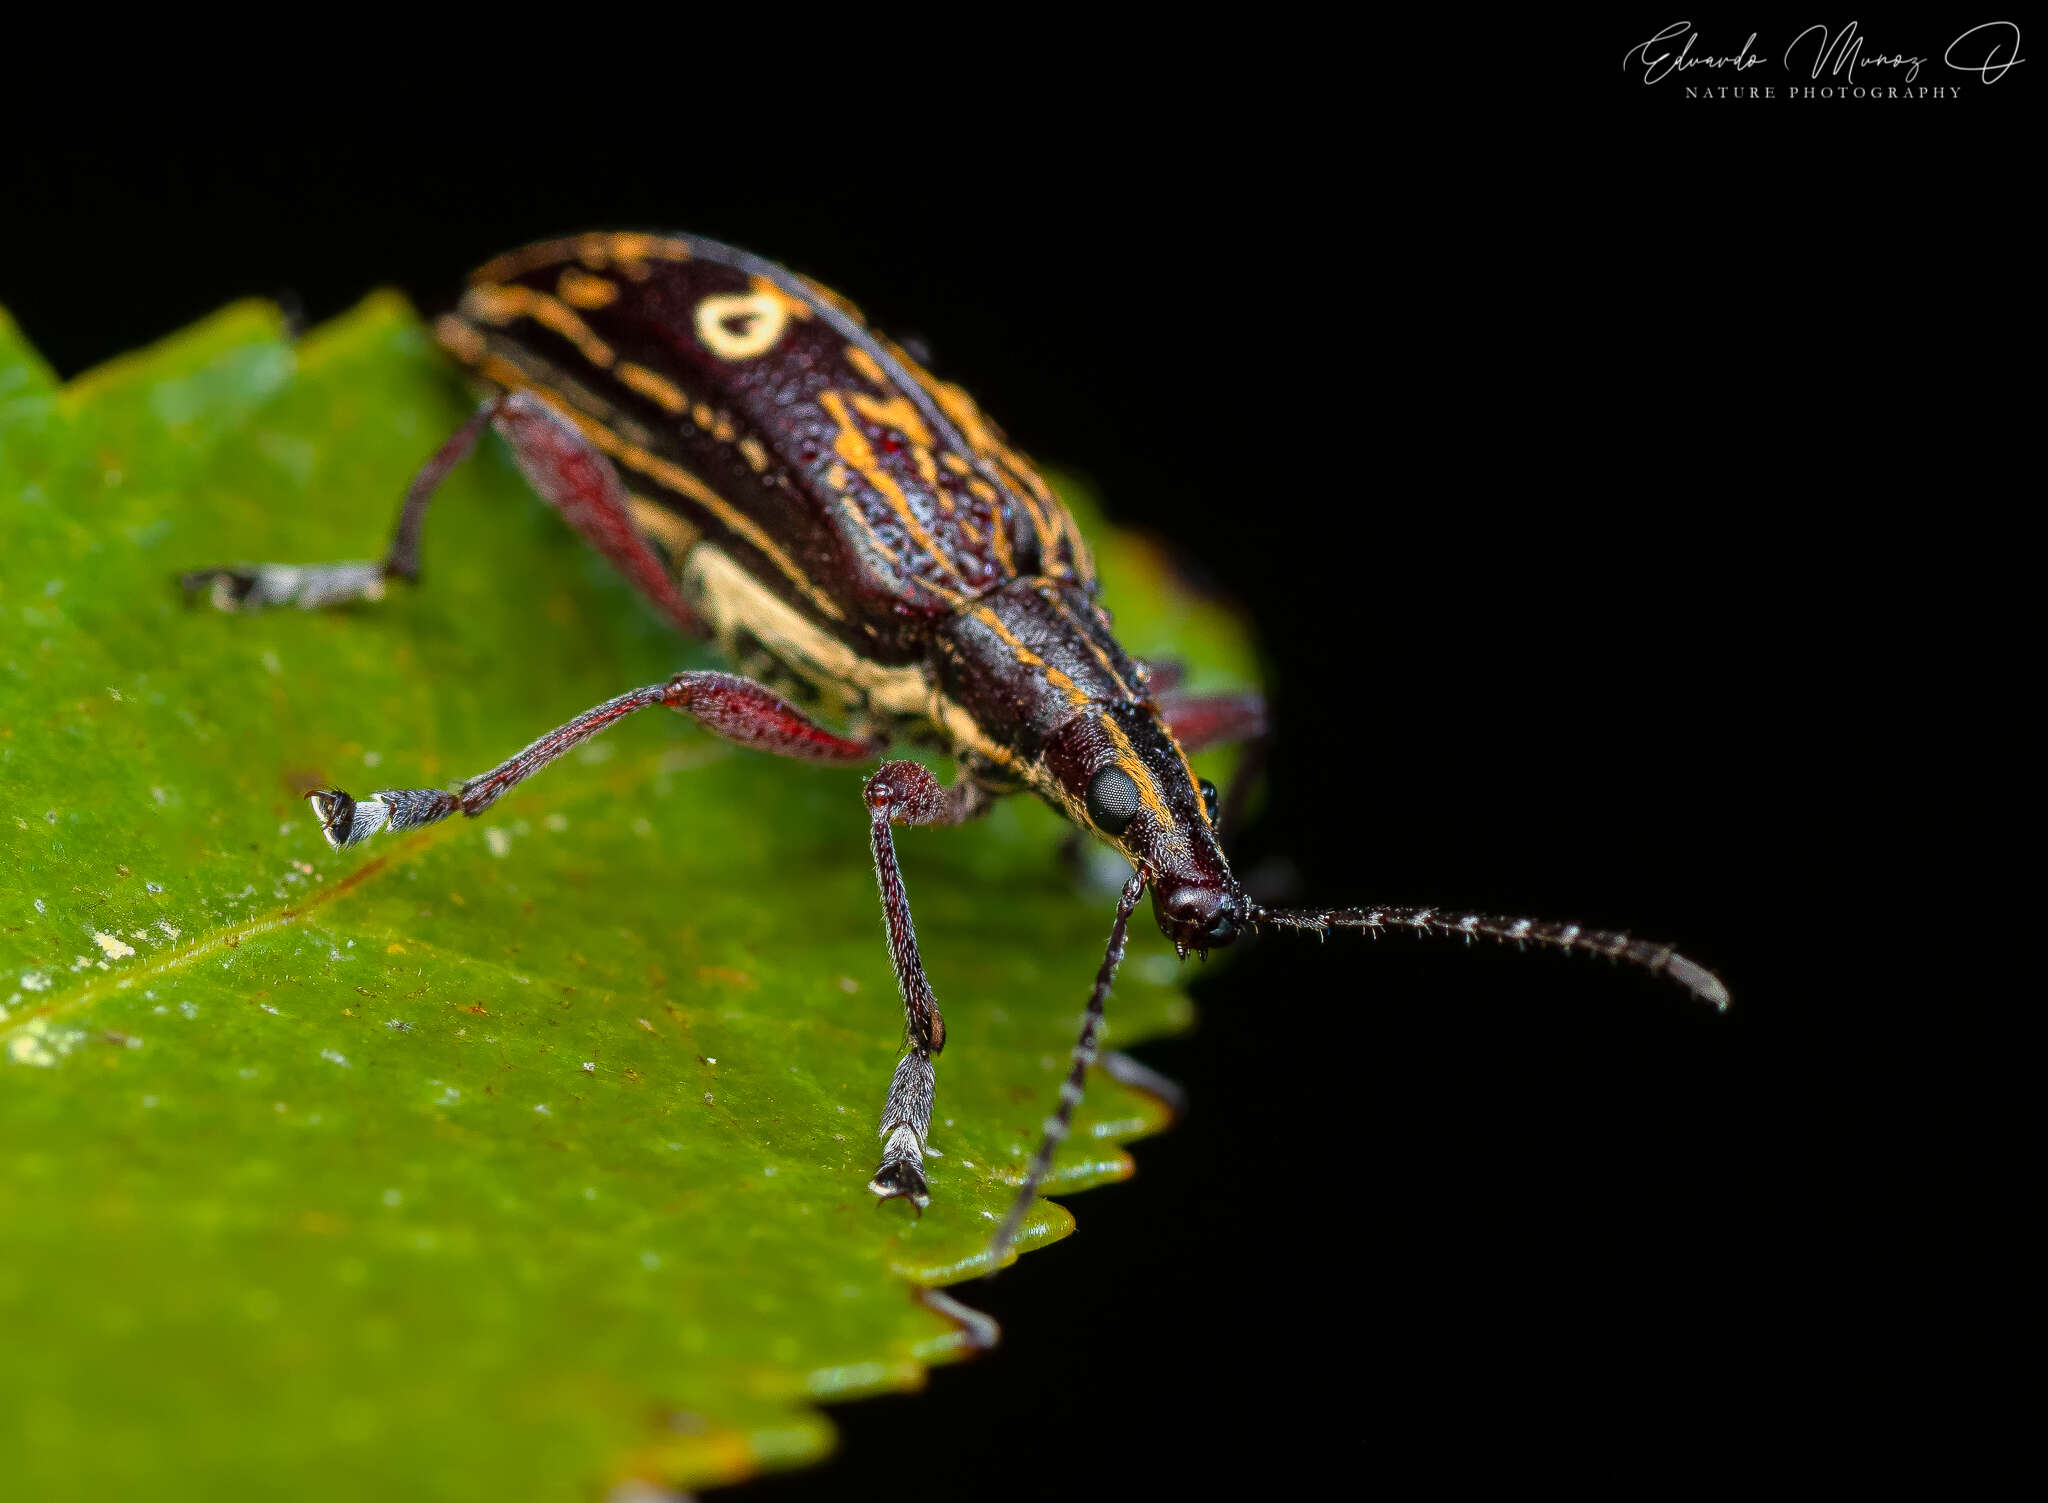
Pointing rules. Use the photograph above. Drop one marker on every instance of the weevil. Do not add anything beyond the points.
(869, 552)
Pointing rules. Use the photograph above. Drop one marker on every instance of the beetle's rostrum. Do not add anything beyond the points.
(867, 549)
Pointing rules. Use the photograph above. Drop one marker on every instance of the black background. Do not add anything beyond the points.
(1624, 489)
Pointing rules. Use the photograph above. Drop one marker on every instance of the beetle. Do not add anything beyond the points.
(867, 549)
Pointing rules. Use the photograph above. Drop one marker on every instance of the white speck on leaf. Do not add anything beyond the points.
(335, 1057)
(556, 822)
(542, 1108)
(188, 1009)
(34, 981)
(39, 906)
(115, 949)
(499, 842)
(40, 1044)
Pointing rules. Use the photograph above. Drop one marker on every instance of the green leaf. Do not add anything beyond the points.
(511, 1158)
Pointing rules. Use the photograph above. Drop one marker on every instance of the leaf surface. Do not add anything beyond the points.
(512, 1158)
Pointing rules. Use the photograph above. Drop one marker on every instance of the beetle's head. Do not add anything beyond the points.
(1122, 777)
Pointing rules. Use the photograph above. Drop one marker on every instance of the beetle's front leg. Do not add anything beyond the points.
(906, 793)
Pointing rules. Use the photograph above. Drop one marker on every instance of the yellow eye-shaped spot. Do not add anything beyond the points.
(741, 325)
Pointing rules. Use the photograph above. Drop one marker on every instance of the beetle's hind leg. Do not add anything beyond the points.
(905, 793)
(312, 586)
(557, 460)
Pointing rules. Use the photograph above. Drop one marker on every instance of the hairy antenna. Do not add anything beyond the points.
(1062, 1119)
(1660, 959)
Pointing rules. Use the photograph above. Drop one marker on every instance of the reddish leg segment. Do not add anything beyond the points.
(736, 708)
(557, 461)
(905, 793)
(1218, 720)
(1213, 719)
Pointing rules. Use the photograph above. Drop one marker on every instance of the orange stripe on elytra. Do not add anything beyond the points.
(596, 251)
(502, 305)
(898, 412)
(657, 388)
(851, 445)
(579, 289)
(869, 367)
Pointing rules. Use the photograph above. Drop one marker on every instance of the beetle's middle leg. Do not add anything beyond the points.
(905, 793)
(735, 708)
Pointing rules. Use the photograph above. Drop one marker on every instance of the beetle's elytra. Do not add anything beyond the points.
(868, 550)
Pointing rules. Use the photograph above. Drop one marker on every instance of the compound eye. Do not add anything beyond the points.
(1208, 798)
(1112, 800)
